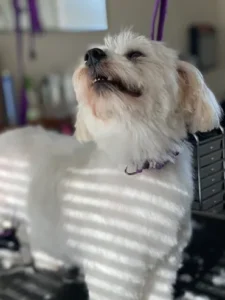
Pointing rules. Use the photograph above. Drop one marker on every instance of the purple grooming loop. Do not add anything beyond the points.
(162, 17)
(35, 25)
(35, 28)
(34, 16)
(162, 6)
(20, 59)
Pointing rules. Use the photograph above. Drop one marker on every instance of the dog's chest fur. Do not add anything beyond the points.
(113, 225)
(83, 210)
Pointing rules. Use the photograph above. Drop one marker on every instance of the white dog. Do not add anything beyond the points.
(119, 205)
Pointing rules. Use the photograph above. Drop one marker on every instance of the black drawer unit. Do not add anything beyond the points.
(209, 170)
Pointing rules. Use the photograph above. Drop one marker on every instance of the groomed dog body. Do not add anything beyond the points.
(119, 204)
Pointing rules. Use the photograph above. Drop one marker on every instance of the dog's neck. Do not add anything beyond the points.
(133, 154)
(133, 169)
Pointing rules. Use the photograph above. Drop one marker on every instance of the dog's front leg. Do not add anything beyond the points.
(163, 276)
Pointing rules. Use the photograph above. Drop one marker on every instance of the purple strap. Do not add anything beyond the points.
(162, 16)
(19, 41)
(35, 28)
(151, 164)
(154, 17)
(20, 58)
(35, 25)
(34, 16)
(147, 166)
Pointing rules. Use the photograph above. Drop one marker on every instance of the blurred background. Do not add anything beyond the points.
(41, 41)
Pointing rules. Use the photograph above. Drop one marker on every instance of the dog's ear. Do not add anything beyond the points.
(82, 134)
(199, 105)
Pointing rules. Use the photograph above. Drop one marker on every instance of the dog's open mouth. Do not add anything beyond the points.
(102, 83)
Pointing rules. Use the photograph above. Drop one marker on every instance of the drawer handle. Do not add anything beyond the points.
(213, 179)
(212, 158)
(212, 169)
(213, 190)
(211, 148)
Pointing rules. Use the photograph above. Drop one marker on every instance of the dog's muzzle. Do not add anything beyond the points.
(100, 75)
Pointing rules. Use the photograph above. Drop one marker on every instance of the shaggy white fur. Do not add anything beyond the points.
(127, 233)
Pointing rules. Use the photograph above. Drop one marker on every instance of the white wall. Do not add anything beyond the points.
(181, 14)
(57, 51)
(218, 77)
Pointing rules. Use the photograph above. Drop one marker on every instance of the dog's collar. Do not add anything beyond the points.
(151, 164)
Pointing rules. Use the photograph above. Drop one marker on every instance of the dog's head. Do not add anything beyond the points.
(136, 92)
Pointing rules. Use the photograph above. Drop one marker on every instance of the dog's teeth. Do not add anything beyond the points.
(109, 78)
(101, 79)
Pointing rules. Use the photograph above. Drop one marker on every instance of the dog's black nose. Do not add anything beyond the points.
(94, 56)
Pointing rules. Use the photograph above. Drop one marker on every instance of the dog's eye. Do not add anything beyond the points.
(134, 54)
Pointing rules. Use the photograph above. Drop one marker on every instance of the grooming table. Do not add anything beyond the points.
(203, 259)
(30, 285)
